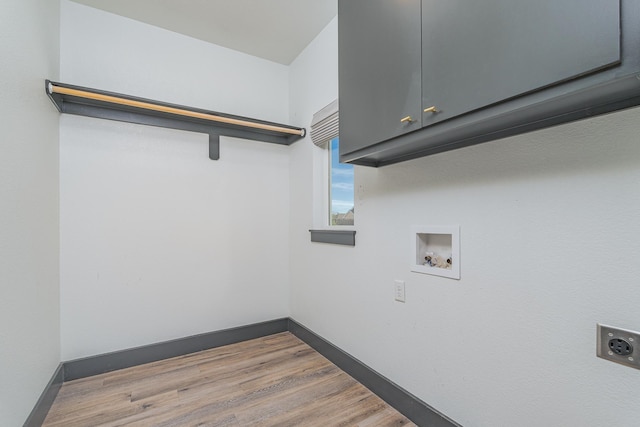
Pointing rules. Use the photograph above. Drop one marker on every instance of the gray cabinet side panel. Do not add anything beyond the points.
(477, 53)
(380, 70)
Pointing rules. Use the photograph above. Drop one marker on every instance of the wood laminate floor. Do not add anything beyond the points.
(272, 381)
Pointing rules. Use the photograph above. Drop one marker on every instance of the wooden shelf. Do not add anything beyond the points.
(100, 104)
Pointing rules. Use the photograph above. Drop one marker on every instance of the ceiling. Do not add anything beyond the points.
(277, 30)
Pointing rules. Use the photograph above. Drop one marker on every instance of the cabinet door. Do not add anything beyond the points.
(478, 53)
(379, 70)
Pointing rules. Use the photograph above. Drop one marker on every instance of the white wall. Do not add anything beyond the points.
(29, 308)
(158, 241)
(313, 85)
(549, 246)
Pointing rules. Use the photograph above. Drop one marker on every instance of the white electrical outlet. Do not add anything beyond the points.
(398, 287)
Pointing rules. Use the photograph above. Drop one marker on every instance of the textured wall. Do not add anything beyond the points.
(29, 252)
(158, 241)
(549, 246)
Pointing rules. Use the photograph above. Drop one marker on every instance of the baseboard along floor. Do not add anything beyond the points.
(147, 381)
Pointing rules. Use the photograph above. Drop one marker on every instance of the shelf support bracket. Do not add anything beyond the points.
(214, 146)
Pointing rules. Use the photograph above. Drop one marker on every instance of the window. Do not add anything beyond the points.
(333, 180)
(338, 183)
(341, 206)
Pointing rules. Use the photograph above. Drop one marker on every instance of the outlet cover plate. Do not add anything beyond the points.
(398, 288)
(607, 333)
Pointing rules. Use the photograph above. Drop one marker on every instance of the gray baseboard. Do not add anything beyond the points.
(42, 406)
(95, 365)
(407, 404)
(403, 401)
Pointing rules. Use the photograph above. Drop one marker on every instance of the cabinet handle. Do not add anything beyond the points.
(431, 109)
(407, 119)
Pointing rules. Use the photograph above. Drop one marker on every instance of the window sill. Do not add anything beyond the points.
(336, 237)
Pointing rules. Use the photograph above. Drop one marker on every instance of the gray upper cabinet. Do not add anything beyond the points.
(487, 68)
(477, 53)
(379, 48)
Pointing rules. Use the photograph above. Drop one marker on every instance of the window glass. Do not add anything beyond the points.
(340, 188)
